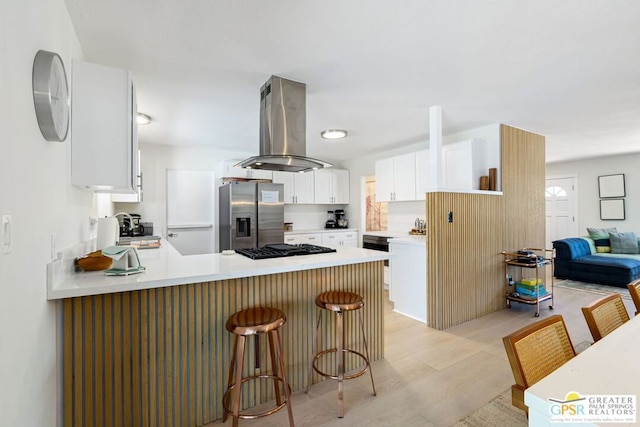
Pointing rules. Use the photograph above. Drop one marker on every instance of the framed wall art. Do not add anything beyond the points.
(612, 209)
(611, 186)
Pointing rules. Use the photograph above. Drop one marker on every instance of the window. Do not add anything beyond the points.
(555, 191)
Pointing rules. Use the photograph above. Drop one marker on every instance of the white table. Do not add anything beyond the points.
(609, 367)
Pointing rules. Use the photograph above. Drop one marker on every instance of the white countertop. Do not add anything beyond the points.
(416, 240)
(320, 230)
(387, 233)
(166, 267)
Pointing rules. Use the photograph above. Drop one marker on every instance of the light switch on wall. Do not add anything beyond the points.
(5, 230)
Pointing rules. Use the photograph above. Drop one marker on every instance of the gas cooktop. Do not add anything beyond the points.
(282, 249)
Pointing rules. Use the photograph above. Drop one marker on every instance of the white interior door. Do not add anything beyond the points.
(190, 211)
(561, 206)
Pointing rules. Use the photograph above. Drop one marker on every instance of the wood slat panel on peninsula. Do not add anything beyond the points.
(159, 357)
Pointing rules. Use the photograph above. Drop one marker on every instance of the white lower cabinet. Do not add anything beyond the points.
(310, 238)
(340, 238)
(292, 239)
(333, 239)
(408, 285)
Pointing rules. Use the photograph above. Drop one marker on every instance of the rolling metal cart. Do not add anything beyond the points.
(526, 260)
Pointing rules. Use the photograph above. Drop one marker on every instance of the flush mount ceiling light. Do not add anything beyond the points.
(334, 134)
(143, 119)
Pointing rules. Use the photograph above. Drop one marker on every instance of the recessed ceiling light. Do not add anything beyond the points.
(334, 134)
(143, 119)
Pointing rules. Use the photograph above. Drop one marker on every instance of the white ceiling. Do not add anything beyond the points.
(569, 70)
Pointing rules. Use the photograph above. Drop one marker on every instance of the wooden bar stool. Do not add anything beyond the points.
(340, 302)
(254, 321)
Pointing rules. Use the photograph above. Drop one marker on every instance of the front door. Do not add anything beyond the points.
(561, 206)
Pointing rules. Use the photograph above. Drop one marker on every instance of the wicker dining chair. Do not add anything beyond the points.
(604, 315)
(634, 291)
(534, 352)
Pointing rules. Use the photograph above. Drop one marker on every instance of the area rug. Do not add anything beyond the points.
(593, 288)
(497, 412)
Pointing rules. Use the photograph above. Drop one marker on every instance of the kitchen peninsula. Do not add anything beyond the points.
(152, 348)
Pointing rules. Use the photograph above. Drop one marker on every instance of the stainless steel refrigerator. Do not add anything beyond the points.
(251, 214)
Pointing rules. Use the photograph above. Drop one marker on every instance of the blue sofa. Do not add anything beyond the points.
(576, 259)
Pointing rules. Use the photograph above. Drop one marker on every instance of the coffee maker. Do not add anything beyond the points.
(331, 220)
(341, 221)
(130, 224)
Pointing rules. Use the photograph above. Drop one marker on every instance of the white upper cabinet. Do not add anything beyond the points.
(464, 163)
(228, 170)
(104, 137)
(384, 180)
(396, 178)
(422, 174)
(298, 187)
(135, 197)
(331, 186)
(404, 177)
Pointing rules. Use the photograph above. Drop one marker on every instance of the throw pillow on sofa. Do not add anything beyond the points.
(624, 243)
(601, 239)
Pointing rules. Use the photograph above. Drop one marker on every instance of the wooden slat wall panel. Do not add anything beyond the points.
(160, 357)
(150, 372)
(523, 184)
(465, 274)
(463, 257)
(68, 383)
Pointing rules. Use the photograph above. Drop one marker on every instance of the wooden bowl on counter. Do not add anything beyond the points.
(94, 261)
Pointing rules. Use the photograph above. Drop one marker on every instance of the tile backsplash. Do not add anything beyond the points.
(309, 217)
(402, 215)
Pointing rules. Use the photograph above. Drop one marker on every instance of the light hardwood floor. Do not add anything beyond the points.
(430, 377)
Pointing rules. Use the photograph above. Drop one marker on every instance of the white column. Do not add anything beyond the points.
(435, 147)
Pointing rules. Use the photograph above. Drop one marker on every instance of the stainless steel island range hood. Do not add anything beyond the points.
(283, 129)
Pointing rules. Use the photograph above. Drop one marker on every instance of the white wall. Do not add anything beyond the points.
(35, 189)
(587, 172)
